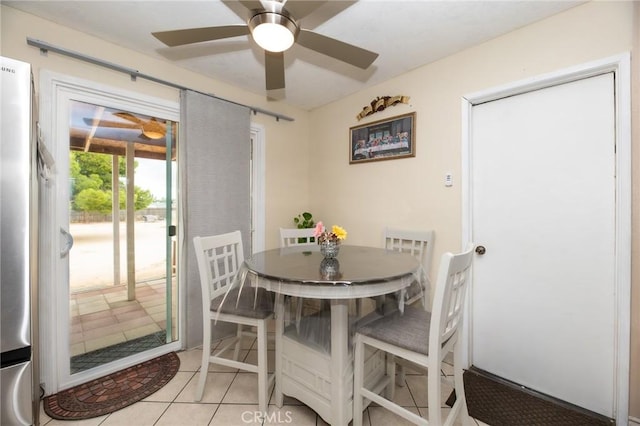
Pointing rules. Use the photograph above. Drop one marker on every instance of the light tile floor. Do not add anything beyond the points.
(231, 399)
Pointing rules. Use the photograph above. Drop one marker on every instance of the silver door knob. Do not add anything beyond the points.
(481, 250)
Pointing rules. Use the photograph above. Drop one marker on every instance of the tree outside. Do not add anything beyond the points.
(91, 184)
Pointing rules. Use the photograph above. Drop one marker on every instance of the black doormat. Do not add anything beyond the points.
(118, 351)
(113, 392)
(499, 402)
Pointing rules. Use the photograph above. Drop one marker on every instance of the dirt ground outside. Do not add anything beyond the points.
(91, 257)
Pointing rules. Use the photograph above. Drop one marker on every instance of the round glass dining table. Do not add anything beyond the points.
(357, 272)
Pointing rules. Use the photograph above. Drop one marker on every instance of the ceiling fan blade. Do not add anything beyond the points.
(107, 123)
(196, 35)
(251, 4)
(274, 70)
(337, 49)
(129, 116)
(299, 9)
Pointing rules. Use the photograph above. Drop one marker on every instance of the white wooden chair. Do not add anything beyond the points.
(219, 259)
(297, 237)
(423, 338)
(418, 244)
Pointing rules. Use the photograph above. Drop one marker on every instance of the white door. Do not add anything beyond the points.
(543, 204)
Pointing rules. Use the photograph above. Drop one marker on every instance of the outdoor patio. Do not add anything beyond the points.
(100, 313)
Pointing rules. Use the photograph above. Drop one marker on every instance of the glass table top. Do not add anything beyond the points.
(353, 265)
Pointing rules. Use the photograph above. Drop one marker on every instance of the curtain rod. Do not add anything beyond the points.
(45, 47)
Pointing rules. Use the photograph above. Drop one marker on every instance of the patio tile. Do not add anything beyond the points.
(114, 290)
(76, 338)
(135, 323)
(99, 323)
(96, 333)
(105, 341)
(124, 306)
(96, 315)
(93, 307)
(152, 302)
(156, 309)
(89, 296)
(141, 331)
(132, 314)
(159, 317)
(77, 349)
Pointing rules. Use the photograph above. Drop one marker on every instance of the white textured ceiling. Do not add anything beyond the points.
(406, 34)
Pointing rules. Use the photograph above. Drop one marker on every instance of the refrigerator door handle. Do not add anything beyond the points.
(67, 241)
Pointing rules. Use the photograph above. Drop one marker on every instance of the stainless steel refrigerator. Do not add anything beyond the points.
(18, 240)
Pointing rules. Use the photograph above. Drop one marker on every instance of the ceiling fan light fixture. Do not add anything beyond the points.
(273, 32)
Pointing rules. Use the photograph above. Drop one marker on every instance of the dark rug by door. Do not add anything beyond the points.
(499, 402)
(113, 392)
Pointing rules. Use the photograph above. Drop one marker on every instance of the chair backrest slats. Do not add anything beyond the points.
(448, 301)
(297, 237)
(219, 258)
(417, 243)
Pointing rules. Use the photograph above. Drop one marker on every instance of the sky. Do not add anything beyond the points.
(151, 175)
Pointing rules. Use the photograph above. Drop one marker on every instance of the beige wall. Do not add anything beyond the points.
(287, 153)
(410, 193)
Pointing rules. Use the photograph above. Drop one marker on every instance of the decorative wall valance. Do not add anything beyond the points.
(380, 103)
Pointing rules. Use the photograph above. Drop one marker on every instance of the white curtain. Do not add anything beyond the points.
(215, 171)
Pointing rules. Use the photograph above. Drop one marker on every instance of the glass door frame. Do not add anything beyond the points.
(56, 93)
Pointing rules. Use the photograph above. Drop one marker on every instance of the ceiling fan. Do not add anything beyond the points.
(151, 129)
(275, 26)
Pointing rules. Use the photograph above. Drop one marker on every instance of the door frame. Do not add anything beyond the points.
(56, 89)
(620, 66)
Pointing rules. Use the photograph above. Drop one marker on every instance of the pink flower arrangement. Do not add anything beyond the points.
(336, 235)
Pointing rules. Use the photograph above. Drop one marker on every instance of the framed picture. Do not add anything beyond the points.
(383, 140)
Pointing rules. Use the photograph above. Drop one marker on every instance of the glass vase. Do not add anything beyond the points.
(329, 249)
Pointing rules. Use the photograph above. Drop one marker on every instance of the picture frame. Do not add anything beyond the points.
(387, 139)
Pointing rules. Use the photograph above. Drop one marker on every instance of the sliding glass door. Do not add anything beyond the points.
(122, 264)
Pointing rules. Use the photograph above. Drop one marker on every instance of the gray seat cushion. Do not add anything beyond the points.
(409, 330)
(250, 305)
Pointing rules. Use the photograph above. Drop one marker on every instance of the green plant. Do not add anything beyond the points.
(304, 220)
